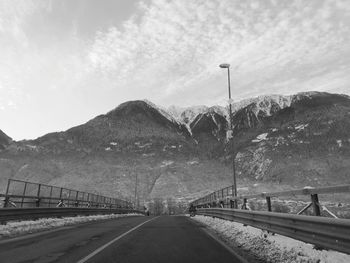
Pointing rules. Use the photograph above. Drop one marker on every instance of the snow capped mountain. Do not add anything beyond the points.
(186, 114)
(163, 111)
(264, 103)
(298, 139)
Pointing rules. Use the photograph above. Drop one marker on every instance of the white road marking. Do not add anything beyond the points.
(111, 242)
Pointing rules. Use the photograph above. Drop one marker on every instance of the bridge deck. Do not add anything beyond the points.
(163, 239)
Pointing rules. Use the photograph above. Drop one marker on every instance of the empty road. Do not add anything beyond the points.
(134, 239)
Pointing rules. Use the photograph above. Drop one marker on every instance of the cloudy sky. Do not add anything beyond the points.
(63, 62)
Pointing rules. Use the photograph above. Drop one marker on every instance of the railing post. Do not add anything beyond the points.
(7, 199)
(37, 202)
(50, 196)
(315, 204)
(76, 204)
(24, 193)
(69, 192)
(61, 192)
(244, 205)
(268, 202)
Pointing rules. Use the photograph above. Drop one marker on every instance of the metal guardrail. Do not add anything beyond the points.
(28, 194)
(223, 198)
(326, 233)
(226, 193)
(10, 214)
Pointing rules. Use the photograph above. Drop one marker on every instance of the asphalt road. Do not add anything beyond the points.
(134, 239)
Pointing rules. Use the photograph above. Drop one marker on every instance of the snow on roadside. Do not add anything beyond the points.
(267, 247)
(12, 229)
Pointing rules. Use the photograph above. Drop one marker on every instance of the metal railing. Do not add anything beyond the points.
(326, 233)
(22, 194)
(224, 198)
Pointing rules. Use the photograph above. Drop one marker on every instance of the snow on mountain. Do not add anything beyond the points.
(163, 111)
(266, 104)
(287, 140)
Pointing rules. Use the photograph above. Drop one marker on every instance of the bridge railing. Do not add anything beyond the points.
(224, 198)
(23, 194)
(325, 233)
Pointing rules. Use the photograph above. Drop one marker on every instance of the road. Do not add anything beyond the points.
(134, 239)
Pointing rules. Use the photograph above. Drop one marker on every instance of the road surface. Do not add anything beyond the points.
(130, 239)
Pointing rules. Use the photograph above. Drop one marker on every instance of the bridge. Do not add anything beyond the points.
(140, 238)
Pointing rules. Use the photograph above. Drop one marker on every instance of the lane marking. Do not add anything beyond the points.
(85, 259)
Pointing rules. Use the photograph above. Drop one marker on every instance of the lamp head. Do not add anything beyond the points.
(225, 65)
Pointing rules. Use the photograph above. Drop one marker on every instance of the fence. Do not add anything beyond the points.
(224, 198)
(23, 194)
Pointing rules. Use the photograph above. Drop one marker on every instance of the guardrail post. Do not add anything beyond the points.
(37, 202)
(315, 204)
(7, 199)
(76, 204)
(50, 196)
(61, 191)
(268, 202)
(244, 205)
(24, 193)
(69, 192)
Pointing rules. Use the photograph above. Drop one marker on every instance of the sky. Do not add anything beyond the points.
(63, 62)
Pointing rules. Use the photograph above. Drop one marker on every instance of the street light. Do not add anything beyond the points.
(225, 65)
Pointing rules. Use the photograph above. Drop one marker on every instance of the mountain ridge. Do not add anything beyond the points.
(278, 141)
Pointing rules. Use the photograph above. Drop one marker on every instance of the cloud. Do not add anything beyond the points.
(175, 46)
(82, 58)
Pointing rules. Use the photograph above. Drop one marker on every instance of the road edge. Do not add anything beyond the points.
(217, 238)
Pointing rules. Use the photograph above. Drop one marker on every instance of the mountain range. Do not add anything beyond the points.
(279, 142)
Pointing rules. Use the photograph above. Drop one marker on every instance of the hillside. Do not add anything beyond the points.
(4, 140)
(306, 143)
(281, 142)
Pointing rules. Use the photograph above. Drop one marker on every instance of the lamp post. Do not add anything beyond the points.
(225, 65)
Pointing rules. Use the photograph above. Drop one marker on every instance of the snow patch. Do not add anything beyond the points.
(339, 142)
(267, 247)
(166, 163)
(148, 154)
(188, 128)
(192, 162)
(12, 229)
(32, 147)
(260, 137)
(162, 111)
(301, 127)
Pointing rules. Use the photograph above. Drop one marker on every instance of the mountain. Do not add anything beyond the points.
(280, 142)
(130, 124)
(4, 140)
(306, 143)
(209, 131)
(109, 151)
